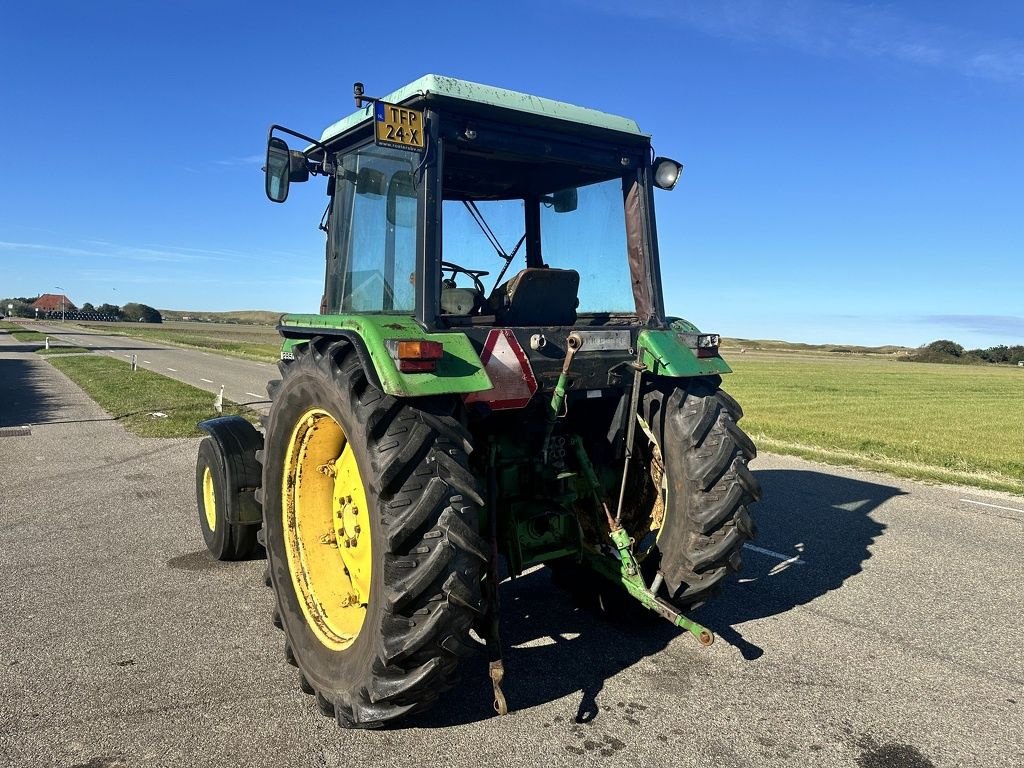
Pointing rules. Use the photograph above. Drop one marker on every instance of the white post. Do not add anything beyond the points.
(135, 362)
(47, 342)
(218, 402)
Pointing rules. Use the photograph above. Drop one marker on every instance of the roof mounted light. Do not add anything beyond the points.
(666, 172)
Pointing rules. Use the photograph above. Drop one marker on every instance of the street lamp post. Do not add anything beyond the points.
(61, 302)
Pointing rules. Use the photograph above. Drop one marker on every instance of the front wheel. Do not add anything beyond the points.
(224, 539)
(370, 519)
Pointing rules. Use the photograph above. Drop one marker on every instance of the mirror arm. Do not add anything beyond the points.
(323, 168)
(296, 134)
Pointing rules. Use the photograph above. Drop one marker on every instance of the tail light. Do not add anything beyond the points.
(415, 355)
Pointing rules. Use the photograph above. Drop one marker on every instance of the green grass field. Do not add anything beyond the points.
(245, 316)
(133, 396)
(261, 343)
(947, 423)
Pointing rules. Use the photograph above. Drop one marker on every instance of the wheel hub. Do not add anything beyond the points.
(326, 529)
(209, 499)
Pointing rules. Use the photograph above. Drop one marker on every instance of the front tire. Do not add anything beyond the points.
(225, 540)
(376, 592)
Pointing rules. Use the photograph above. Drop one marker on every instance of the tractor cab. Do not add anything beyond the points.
(463, 205)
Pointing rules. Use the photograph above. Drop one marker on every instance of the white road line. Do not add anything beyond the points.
(173, 370)
(784, 558)
(205, 353)
(253, 394)
(208, 381)
(262, 365)
(127, 355)
(994, 506)
(147, 362)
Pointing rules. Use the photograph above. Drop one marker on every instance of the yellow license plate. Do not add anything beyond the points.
(398, 127)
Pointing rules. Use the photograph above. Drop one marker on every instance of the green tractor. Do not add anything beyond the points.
(433, 419)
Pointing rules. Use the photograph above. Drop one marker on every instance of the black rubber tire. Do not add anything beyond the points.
(709, 485)
(226, 541)
(427, 559)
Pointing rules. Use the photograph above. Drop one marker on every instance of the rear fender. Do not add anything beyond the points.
(459, 371)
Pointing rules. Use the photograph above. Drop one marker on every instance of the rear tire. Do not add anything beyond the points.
(226, 541)
(708, 486)
(393, 650)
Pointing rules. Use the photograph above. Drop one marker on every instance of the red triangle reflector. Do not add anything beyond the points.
(510, 372)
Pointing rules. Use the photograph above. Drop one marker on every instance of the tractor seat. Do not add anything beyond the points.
(537, 296)
(460, 301)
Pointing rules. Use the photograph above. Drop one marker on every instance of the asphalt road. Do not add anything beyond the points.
(244, 381)
(892, 640)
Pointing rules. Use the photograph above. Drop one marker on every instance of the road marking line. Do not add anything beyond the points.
(253, 394)
(147, 362)
(262, 365)
(994, 506)
(784, 558)
(208, 381)
(173, 370)
(127, 355)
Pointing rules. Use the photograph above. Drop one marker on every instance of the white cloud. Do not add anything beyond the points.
(112, 251)
(830, 28)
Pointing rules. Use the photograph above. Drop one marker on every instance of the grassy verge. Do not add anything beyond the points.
(35, 337)
(21, 333)
(63, 351)
(944, 423)
(132, 397)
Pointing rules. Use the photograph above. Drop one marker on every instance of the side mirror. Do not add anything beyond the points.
(566, 200)
(277, 170)
(563, 201)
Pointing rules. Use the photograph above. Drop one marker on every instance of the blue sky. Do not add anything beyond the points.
(854, 171)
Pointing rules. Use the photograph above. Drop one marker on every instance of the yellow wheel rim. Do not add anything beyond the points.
(209, 499)
(326, 527)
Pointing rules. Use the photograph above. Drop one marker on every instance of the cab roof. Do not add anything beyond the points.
(476, 96)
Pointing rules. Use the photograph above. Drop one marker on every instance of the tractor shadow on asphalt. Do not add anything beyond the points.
(22, 398)
(824, 521)
(554, 649)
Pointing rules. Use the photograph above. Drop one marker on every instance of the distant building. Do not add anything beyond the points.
(53, 302)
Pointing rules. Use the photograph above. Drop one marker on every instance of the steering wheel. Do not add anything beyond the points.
(474, 274)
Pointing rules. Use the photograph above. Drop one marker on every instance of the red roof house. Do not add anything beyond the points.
(51, 302)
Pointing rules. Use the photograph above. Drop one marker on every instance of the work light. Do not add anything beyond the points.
(666, 172)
